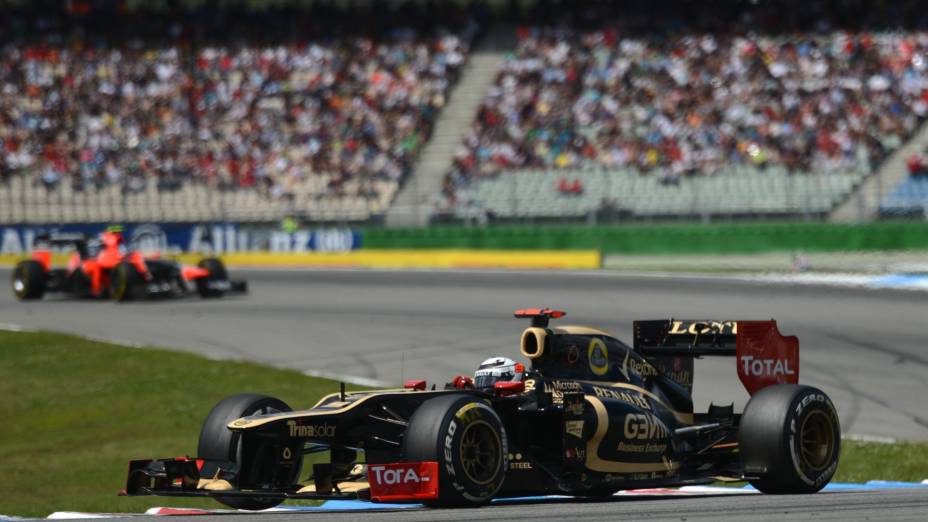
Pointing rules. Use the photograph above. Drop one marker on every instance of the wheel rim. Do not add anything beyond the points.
(19, 285)
(817, 440)
(480, 452)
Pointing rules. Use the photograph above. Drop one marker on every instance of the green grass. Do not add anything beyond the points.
(863, 461)
(76, 411)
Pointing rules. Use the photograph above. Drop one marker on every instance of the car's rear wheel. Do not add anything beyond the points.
(126, 283)
(217, 272)
(218, 442)
(467, 439)
(29, 280)
(790, 439)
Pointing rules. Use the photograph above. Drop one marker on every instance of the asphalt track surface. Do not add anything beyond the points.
(866, 348)
(887, 505)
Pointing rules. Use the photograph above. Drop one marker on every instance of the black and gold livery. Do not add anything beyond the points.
(592, 416)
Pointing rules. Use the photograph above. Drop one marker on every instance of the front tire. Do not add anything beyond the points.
(467, 439)
(29, 280)
(218, 442)
(126, 283)
(790, 439)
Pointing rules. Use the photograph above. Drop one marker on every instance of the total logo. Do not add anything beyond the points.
(392, 476)
(765, 367)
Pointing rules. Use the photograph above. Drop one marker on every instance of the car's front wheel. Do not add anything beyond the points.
(29, 280)
(467, 439)
(126, 283)
(218, 442)
(789, 439)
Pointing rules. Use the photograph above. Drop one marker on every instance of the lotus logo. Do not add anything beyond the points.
(598, 356)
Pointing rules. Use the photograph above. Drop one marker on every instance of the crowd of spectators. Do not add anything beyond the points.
(670, 96)
(230, 99)
(917, 165)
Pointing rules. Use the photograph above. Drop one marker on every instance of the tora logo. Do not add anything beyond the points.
(765, 367)
(382, 475)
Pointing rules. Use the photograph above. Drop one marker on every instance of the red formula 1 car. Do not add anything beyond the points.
(105, 267)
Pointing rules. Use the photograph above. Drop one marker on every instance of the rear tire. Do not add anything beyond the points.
(126, 283)
(790, 438)
(218, 442)
(217, 272)
(29, 280)
(467, 439)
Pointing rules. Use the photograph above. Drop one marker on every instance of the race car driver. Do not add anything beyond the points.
(497, 369)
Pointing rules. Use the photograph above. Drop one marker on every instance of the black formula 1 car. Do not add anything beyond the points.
(591, 416)
(104, 267)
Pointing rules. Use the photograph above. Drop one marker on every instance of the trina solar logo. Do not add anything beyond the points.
(317, 431)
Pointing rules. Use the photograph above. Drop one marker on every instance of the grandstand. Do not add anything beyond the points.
(708, 116)
(608, 194)
(908, 199)
(239, 116)
(598, 111)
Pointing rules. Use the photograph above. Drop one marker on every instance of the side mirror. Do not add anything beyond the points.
(414, 385)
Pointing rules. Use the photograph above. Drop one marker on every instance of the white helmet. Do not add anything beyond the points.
(496, 369)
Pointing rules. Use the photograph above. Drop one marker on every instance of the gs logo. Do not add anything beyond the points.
(598, 356)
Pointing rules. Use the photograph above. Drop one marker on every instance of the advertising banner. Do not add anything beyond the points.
(194, 238)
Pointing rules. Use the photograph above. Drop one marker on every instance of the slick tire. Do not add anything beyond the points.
(29, 280)
(218, 442)
(467, 439)
(217, 272)
(790, 439)
(126, 283)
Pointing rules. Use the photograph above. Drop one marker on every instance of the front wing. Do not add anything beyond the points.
(186, 477)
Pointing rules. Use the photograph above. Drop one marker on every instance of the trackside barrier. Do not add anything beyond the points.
(459, 259)
(661, 238)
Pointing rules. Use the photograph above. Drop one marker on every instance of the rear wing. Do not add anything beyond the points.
(76, 241)
(763, 355)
